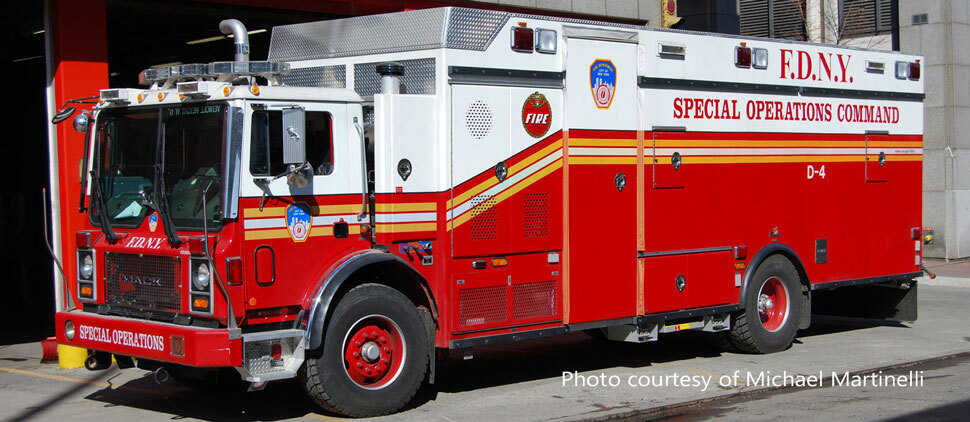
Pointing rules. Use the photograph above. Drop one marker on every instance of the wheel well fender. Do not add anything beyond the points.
(368, 266)
(764, 253)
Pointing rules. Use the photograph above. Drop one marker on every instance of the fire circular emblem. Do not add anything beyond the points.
(536, 115)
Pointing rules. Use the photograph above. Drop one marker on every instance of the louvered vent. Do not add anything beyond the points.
(478, 120)
(754, 18)
(536, 215)
(484, 219)
(534, 300)
(772, 18)
(481, 305)
(787, 20)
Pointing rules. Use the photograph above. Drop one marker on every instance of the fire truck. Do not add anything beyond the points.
(385, 189)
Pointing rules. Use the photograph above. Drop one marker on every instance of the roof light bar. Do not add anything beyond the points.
(211, 71)
(116, 95)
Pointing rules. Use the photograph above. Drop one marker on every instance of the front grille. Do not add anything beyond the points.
(148, 282)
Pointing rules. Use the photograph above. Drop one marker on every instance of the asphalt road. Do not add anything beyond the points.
(565, 378)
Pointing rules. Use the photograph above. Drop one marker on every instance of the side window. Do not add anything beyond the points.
(266, 150)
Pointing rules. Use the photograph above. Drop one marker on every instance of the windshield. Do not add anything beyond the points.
(126, 148)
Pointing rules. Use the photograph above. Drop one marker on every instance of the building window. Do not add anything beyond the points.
(773, 18)
(861, 18)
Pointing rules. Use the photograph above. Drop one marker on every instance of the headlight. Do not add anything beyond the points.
(87, 267)
(201, 280)
(69, 330)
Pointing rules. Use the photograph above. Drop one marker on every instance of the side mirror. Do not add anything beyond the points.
(63, 114)
(294, 136)
(81, 123)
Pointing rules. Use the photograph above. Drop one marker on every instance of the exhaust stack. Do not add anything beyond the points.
(391, 73)
(238, 31)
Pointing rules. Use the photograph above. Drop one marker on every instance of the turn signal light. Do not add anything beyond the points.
(277, 351)
(83, 239)
(196, 247)
(200, 303)
(740, 265)
(234, 270)
(499, 262)
(87, 291)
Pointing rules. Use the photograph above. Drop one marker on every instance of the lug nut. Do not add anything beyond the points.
(356, 355)
(383, 339)
(360, 365)
(387, 350)
(357, 343)
(374, 334)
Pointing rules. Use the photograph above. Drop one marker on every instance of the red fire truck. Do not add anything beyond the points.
(386, 188)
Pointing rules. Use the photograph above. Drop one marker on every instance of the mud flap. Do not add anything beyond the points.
(895, 302)
(429, 326)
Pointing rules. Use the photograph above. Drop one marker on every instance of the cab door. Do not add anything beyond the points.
(290, 232)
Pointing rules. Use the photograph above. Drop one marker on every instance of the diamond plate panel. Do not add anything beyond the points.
(473, 29)
(419, 77)
(320, 76)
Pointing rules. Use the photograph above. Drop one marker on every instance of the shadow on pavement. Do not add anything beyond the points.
(491, 366)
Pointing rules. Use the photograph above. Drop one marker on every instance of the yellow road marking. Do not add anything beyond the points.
(101, 384)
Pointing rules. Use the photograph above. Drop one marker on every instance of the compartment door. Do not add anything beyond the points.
(601, 116)
(480, 148)
(877, 162)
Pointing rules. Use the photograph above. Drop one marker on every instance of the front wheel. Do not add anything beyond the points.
(769, 320)
(374, 355)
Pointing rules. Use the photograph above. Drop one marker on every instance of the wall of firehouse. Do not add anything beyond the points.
(61, 50)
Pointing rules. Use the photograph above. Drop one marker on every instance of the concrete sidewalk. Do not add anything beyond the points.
(517, 381)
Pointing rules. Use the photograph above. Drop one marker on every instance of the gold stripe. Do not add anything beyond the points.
(491, 181)
(285, 234)
(785, 159)
(314, 209)
(406, 227)
(407, 207)
(710, 143)
(594, 142)
(461, 219)
(602, 160)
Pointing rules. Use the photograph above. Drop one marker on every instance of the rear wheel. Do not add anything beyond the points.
(374, 355)
(769, 320)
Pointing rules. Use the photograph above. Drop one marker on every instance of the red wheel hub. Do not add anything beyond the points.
(773, 304)
(373, 352)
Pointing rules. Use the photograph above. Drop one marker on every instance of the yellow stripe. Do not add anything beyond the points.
(314, 209)
(285, 234)
(407, 207)
(508, 192)
(602, 160)
(406, 227)
(699, 143)
(593, 142)
(740, 159)
(491, 181)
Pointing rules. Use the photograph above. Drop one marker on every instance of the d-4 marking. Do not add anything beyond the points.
(812, 172)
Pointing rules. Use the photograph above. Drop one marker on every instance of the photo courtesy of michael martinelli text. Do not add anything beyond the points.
(744, 378)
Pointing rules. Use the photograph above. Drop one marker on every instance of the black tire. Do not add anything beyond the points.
(325, 374)
(749, 334)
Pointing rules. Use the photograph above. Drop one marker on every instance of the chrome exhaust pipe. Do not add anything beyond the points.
(238, 31)
(160, 375)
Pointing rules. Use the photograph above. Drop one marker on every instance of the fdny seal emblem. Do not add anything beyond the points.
(536, 115)
(298, 221)
(153, 222)
(602, 81)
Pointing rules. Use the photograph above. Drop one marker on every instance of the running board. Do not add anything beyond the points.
(650, 331)
(272, 355)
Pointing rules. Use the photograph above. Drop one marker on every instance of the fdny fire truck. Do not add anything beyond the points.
(384, 189)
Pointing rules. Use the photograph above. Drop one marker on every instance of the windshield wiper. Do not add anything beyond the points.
(161, 202)
(105, 222)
